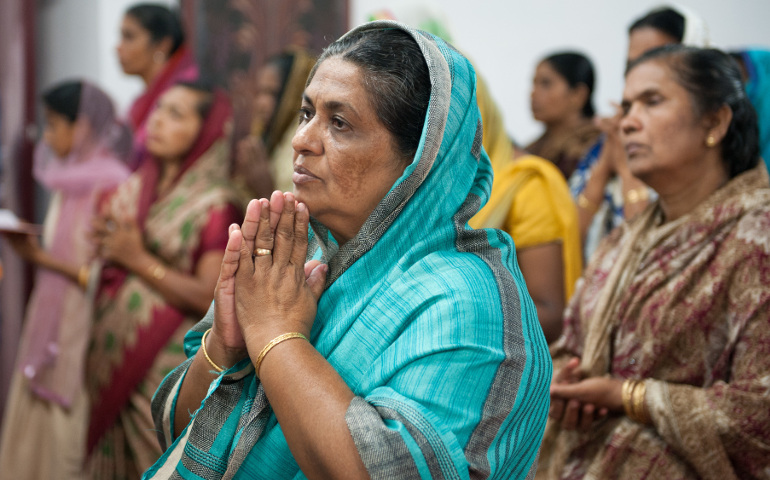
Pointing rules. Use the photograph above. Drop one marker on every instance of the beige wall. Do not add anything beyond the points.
(77, 38)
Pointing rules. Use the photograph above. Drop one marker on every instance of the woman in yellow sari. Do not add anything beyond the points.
(531, 201)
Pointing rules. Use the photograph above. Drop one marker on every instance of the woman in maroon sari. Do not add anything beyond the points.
(152, 47)
(162, 236)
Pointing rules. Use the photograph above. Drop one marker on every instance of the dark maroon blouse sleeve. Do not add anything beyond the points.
(214, 235)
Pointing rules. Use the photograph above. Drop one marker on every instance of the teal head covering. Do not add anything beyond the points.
(757, 64)
(428, 322)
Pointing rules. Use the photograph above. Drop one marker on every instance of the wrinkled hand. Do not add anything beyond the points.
(612, 156)
(568, 374)
(26, 246)
(602, 392)
(250, 152)
(588, 400)
(278, 293)
(610, 125)
(259, 213)
(118, 241)
(572, 412)
(226, 329)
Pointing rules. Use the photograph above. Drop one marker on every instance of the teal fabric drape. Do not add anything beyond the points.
(757, 62)
(428, 321)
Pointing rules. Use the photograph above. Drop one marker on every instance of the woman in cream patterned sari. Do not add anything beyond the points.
(663, 367)
(162, 235)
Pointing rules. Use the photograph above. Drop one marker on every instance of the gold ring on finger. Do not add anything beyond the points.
(260, 252)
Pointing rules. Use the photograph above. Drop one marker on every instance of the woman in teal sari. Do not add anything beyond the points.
(424, 357)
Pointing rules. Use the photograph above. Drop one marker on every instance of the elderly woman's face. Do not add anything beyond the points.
(664, 139)
(174, 125)
(345, 160)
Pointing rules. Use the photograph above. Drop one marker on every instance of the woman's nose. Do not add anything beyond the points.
(307, 139)
(629, 122)
(153, 121)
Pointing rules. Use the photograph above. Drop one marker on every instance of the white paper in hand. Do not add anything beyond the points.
(10, 223)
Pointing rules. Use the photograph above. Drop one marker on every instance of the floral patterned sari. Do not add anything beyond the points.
(137, 336)
(684, 304)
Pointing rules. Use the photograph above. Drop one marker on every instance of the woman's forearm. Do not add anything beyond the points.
(190, 293)
(543, 269)
(310, 401)
(199, 376)
(69, 270)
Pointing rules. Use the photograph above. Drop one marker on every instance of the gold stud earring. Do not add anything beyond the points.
(711, 141)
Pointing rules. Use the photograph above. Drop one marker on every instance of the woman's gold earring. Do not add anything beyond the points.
(711, 141)
(158, 57)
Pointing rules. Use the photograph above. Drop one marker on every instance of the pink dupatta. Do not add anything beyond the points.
(96, 162)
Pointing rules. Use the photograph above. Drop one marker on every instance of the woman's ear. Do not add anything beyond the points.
(579, 96)
(718, 122)
(164, 45)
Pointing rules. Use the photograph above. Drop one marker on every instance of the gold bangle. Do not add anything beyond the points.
(206, 354)
(273, 343)
(84, 275)
(636, 195)
(640, 414)
(626, 392)
(157, 271)
(586, 204)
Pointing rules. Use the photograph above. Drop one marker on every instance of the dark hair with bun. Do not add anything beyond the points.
(64, 99)
(160, 21)
(666, 20)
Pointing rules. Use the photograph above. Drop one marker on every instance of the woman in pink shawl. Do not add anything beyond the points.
(83, 152)
(152, 47)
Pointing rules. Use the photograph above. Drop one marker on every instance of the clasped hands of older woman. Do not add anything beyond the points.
(578, 402)
(261, 295)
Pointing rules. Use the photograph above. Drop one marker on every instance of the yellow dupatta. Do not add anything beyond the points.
(510, 175)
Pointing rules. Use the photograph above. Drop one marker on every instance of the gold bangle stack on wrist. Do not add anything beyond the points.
(84, 274)
(636, 195)
(272, 343)
(206, 354)
(632, 393)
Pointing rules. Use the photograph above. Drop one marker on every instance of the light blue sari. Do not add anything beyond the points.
(428, 321)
